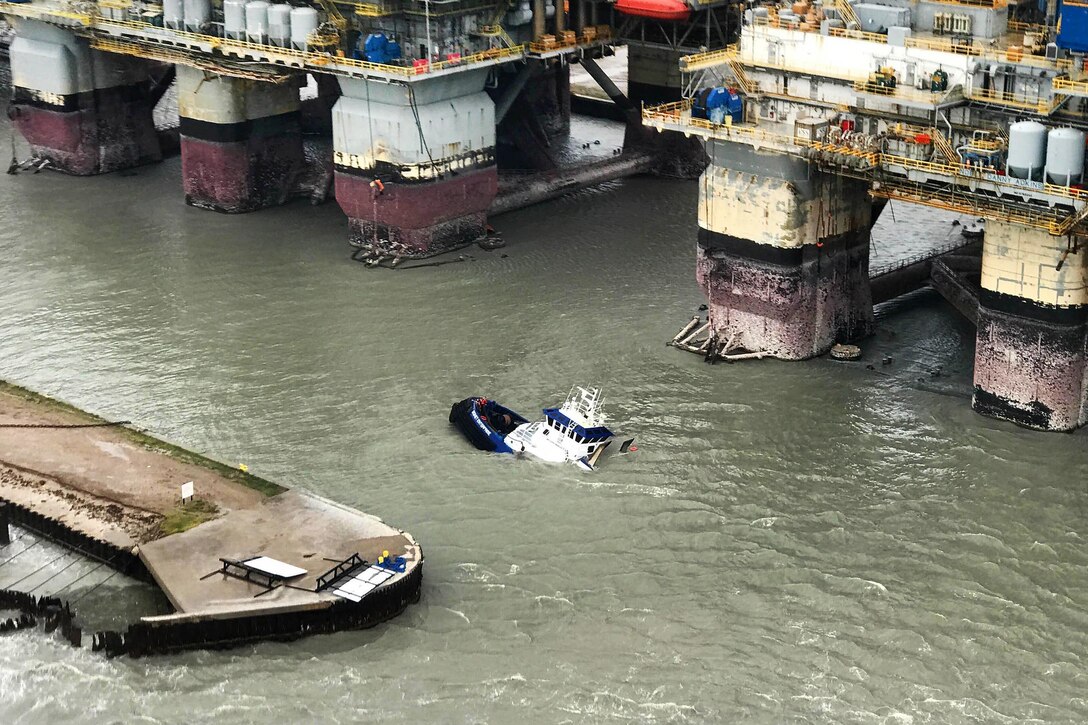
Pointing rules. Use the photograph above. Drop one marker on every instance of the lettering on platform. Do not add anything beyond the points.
(355, 161)
(426, 170)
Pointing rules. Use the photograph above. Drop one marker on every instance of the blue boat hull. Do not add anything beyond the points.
(477, 418)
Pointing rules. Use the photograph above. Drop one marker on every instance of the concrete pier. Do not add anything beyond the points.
(85, 111)
(415, 164)
(113, 494)
(241, 141)
(1032, 324)
(783, 253)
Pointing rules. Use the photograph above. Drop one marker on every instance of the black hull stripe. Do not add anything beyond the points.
(717, 242)
(1032, 310)
(77, 101)
(284, 123)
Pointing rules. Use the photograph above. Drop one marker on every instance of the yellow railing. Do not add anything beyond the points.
(1070, 86)
(156, 36)
(846, 12)
(370, 10)
(1013, 54)
(300, 58)
(1041, 106)
(677, 113)
(707, 59)
(899, 92)
(167, 54)
(1019, 27)
(858, 35)
(946, 46)
(943, 146)
(40, 12)
(1048, 221)
(996, 4)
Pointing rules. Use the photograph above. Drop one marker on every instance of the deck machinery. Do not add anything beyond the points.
(414, 127)
(957, 104)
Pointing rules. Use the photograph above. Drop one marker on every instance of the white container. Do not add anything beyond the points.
(279, 24)
(1027, 150)
(303, 22)
(197, 14)
(173, 14)
(257, 21)
(1065, 156)
(234, 18)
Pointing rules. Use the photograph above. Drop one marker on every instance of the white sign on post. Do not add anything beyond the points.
(186, 490)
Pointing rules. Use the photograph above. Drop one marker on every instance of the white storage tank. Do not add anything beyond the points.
(303, 22)
(257, 21)
(234, 18)
(1065, 156)
(197, 14)
(173, 14)
(279, 24)
(1027, 150)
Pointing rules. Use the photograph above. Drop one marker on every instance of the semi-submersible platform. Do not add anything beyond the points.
(822, 111)
(804, 119)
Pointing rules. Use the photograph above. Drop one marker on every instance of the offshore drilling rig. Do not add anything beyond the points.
(420, 95)
(812, 115)
(822, 111)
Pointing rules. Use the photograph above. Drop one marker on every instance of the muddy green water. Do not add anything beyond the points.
(808, 542)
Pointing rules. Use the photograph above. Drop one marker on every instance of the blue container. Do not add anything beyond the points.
(1073, 27)
(714, 104)
(379, 49)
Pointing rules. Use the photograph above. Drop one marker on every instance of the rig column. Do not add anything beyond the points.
(241, 141)
(783, 253)
(415, 162)
(1032, 329)
(86, 111)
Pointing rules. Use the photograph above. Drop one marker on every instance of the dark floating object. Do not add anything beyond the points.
(492, 241)
(845, 352)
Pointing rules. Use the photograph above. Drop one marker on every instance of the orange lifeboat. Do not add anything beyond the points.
(656, 9)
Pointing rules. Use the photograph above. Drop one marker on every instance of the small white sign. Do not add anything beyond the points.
(187, 490)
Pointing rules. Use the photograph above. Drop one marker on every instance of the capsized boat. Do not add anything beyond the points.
(572, 433)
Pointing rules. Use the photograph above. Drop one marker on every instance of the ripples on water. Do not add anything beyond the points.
(803, 542)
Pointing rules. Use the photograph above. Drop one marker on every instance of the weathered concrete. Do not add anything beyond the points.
(241, 141)
(105, 490)
(783, 253)
(85, 111)
(295, 528)
(102, 480)
(415, 165)
(1030, 351)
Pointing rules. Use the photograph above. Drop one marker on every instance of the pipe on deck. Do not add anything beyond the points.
(560, 18)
